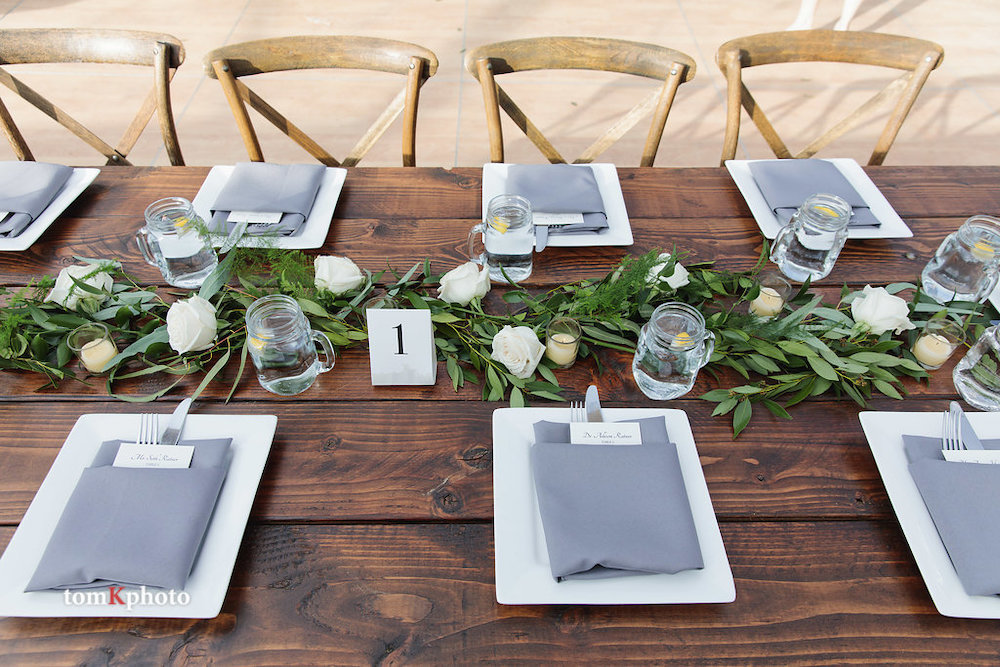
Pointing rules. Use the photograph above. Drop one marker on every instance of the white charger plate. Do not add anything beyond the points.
(209, 580)
(884, 431)
(312, 233)
(619, 230)
(892, 226)
(71, 189)
(523, 575)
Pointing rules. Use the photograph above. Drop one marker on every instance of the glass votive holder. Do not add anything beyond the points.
(93, 346)
(937, 342)
(562, 341)
(378, 300)
(774, 292)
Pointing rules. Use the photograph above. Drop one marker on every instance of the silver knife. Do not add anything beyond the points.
(173, 432)
(592, 405)
(968, 435)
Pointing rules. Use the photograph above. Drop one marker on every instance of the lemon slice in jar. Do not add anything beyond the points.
(499, 225)
(681, 341)
(983, 251)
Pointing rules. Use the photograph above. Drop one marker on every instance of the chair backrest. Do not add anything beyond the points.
(163, 53)
(229, 63)
(668, 66)
(916, 57)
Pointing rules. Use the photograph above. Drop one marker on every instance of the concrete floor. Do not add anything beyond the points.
(956, 120)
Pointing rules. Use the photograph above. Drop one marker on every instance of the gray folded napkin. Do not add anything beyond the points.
(786, 184)
(138, 526)
(26, 190)
(268, 188)
(613, 510)
(559, 188)
(963, 499)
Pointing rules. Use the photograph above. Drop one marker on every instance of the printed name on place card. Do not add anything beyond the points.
(254, 217)
(547, 219)
(131, 455)
(602, 433)
(972, 456)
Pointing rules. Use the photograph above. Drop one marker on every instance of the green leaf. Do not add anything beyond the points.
(715, 395)
(822, 368)
(239, 372)
(776, 409)
(797, 348)
(887, 389)
(725, 406)
(159, 335)
(444, 318)
(312, 308)
(547, 373)
(741, 417)
(516, 398)
(217, 278)
(219, 365)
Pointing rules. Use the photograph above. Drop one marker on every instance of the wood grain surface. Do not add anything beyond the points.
(371, 538)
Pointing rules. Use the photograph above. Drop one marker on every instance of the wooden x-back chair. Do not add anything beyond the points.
(229, 63)
(585, 53)
(916, 57)
(122, 47)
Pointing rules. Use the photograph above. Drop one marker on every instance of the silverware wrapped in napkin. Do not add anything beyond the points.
(26, 190)
(559, 189)
(786, 184)
(613, 510)
(285, 191)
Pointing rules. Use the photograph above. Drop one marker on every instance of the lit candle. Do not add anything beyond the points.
(932, 350)
(96, 354)
(560, 348)
(768, 303)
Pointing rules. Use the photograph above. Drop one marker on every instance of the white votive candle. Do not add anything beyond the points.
(96, 354)
(560, 348)
(768, 303)
(932, 350)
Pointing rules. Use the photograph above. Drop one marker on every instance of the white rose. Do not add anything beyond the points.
(337, 274)
(191, 324)
(464, 283)
(69, 295)
(881, 311)
(519, 349)
(679, 277)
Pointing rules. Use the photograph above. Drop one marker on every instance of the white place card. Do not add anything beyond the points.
(131, 455)
(254, 217)
(401, 346)
(972, 455)
(604, 433)
(547, 219)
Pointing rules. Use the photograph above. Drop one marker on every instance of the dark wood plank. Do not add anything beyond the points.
(394, 461)
(807, 593)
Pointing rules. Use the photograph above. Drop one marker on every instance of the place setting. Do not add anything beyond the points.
(33, 195)
(140, 515)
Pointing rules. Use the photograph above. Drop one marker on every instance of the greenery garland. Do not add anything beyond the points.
(812, 349)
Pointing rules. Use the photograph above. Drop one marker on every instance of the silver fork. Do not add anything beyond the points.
(949, 432)
(576, 412)
(149, 429)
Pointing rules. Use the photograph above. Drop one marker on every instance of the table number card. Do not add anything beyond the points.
(401, 346)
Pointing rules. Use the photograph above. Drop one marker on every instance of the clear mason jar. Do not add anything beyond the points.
(977, 375)
(283, 346)
(508, 239)
(672, 348)
(810, 244)
(966, 264)
(172, 241)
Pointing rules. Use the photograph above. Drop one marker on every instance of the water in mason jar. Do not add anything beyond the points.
(977, 375)
(185, 260)
(286, 371)
(809, 255)
(959, 277)
(510, 250)
(665, 372)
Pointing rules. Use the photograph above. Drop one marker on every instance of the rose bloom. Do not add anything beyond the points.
(519, 349)
(679, 278)
(464, 283)
(337, 274)
(881, 311)
(191, 324)
(69, 295)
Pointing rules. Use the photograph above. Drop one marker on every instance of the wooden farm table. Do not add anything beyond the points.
(371, 539)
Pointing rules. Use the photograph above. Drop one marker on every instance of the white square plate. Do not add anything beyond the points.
(619, 230)
(312, 233)
(892, 226)
(884, 431)
(209, 580)
(75, 184)
(523, 575)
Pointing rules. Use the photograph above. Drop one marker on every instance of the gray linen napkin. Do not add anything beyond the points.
(963, 499)
(269, 188)
(613, 510)
(785, 184)
(26, 190)
(559, 188)
(139, 526)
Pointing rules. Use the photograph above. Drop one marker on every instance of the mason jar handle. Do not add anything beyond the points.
(142, 240)
(474, 257)
(991, 285)
(709, 343)
(328, 353)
